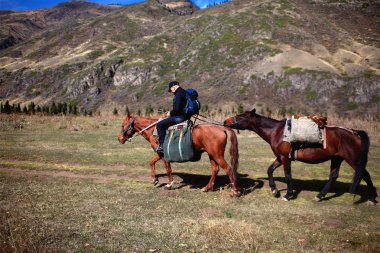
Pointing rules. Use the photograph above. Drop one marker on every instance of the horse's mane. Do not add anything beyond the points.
(261, 117)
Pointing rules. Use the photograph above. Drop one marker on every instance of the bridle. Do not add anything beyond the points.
(235, 122)
(130, 126)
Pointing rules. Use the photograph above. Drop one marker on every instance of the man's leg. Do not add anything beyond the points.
(161, 131)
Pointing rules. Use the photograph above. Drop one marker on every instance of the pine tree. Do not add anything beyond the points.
(115, 112)
(75, 109)
(25, 110)
(53, 109)
(1, 108)
(7, 107)
(32, 108)
(59, 108)
(64, 108)
(18, 110)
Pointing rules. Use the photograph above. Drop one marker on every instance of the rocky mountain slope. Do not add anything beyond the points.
(303, 56)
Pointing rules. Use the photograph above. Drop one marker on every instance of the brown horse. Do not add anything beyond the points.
(342, 144)
(206, 138)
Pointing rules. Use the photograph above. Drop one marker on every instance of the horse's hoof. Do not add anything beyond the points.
(155, 181)
(204, 189)
(372, 203)
(317, 199)
(285, 199)
(236, 194)
(274, 192)
(168, 186)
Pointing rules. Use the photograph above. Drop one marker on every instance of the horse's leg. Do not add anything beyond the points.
(286, 163)
(152, 164)
(215, 170)
(222, 163)
(277, 163)
(372, 193)
(169, 173)
(334, 173)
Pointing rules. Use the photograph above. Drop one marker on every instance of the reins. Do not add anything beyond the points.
(205, 119)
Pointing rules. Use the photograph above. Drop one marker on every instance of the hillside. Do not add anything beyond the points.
(293, 55)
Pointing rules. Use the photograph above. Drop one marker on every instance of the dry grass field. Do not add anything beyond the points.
(67, 185)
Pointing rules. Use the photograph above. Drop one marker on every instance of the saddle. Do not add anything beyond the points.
(305, 132)
(178, 145)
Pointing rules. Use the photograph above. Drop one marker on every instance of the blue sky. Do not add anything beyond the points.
(22, 5)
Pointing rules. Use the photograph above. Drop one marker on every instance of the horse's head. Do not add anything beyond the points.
(127, 128)
(240, 121)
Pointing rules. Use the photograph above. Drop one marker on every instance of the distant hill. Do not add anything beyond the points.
(302, 56)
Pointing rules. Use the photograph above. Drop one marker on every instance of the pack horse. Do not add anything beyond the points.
(342, 145)
(207, 138)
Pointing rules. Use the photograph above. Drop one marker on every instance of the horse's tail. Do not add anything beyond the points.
(234, 151)
(362, 162)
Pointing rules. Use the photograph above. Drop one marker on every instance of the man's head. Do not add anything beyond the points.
(173, 86)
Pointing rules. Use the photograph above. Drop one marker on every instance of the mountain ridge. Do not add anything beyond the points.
(297, 55)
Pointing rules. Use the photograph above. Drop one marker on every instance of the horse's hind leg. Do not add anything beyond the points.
(222, 163)
(215, 170)
(371, 189)
(334, 173)
(277, 163)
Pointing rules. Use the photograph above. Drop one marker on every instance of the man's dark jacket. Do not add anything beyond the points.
(179, 102)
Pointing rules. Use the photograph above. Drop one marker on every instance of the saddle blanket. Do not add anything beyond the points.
(302, 130)
(178, 146)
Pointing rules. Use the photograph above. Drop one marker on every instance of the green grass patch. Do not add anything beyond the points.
(50, 211)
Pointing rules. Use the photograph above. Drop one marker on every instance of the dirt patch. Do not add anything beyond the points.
(67, 174)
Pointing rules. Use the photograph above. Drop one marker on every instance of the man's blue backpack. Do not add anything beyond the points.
(192, 105)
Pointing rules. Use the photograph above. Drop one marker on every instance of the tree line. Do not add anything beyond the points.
(52, 109)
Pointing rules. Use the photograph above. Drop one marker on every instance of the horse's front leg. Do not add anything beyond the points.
(169, 173)
(152, 164)
(286, 163)
(277, 163)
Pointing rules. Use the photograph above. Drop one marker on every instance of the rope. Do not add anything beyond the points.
(209, 120)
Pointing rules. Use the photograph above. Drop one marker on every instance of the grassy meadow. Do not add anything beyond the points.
(67, 185)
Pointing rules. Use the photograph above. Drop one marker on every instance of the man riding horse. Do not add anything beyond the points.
(175, 116)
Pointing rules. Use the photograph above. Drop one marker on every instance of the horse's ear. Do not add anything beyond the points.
(131, 115)
(253, 111)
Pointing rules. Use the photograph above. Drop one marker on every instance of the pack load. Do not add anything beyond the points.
(303, 130)
(178, 145)
(192, 103)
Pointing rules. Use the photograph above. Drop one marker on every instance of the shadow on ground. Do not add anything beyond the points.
(194, 181)
(248, 185)
(314, 185)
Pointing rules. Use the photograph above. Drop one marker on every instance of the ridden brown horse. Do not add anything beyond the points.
(206, 138)
(342, 144)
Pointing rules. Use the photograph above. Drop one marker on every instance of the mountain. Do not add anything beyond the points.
(304, 56)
